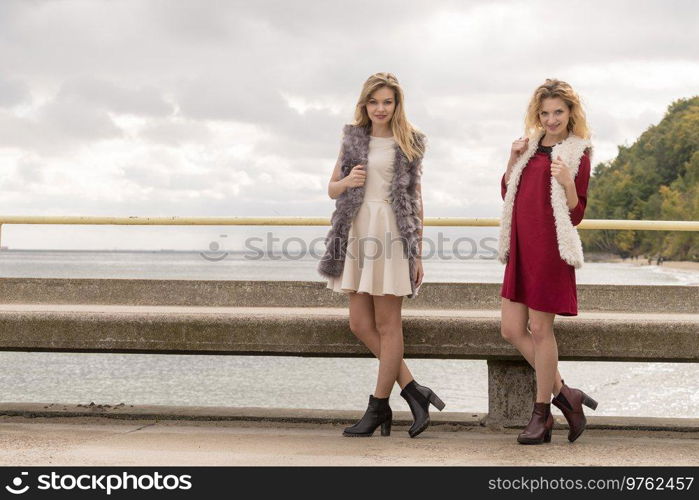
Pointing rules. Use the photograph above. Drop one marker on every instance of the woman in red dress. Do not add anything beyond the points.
(545, 193)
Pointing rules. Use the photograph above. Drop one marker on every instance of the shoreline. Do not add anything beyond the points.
(685, 265)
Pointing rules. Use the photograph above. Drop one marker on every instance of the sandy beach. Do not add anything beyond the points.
(682, 264)
(686, 265)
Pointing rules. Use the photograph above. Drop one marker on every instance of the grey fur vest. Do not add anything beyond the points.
(403, 199)
(569, 245)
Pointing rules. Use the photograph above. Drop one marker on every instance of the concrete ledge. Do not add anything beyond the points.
(299, 331)
(445, 421)
(220, 413)
(630, 298)
(449, 321)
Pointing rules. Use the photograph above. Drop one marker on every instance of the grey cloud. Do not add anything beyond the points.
(79, 114)
(147, 100)
(258, 103)
(239, 98)
(195, 22)
(12, 92)
(73, 119)
(176, 133)
(18, 132)
(165, 171)
(60, 127)
(293, 35)
(30, 170)
(169, 180)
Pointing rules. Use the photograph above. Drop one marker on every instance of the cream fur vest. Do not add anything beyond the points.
(569, 244)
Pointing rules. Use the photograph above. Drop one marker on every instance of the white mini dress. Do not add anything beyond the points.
(375, 262)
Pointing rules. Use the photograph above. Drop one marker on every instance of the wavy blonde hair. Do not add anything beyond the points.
(403, 130)
(577, 124)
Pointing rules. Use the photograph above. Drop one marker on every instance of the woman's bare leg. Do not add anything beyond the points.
(513, 327)
(387, 314)
(545, 353)
(363, 325)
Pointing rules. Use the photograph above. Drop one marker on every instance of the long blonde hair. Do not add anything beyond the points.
(577, 124)
(403, 130)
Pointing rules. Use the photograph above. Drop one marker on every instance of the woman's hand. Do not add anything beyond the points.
(518, 147)
(561, 172)
(419, 272)
(356, 177)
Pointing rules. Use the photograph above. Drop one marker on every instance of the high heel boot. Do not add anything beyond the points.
(419, 398)
(377, 413)
(570, 402)
(539, 428)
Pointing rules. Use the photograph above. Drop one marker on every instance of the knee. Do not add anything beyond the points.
(388, 328)
(540, 330)
(360, 327)
(511, 332)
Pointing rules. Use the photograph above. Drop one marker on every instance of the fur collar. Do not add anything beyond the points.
(569, 244)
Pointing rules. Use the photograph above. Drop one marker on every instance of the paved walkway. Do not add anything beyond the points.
(98, 441)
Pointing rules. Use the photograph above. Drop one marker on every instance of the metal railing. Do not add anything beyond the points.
(641, 225)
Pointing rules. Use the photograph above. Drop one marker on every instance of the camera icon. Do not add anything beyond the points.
(213, 255)
(17, 483)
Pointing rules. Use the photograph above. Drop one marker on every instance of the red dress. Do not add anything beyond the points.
(535, 274)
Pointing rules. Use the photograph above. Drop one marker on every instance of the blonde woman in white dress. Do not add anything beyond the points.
(379, 259)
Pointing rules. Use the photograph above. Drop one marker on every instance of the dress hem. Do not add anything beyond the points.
(526, 303)
(349, 290)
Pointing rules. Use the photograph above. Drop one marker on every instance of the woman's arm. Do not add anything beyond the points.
(355, 178)
(510, 163)
(581, 182)
(418, 189)
(419, 270)
(571, 195)
(337, 186)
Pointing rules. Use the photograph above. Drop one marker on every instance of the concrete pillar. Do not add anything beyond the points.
(511, 393)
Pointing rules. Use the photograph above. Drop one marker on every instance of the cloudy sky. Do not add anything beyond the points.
(219, 108)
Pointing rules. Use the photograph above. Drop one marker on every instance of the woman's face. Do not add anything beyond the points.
(381, 105)
(554, 115)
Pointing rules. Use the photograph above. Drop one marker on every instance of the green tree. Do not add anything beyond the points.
(655, 178)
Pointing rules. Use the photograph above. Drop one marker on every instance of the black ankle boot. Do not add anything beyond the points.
(419, 398)
(377, 413)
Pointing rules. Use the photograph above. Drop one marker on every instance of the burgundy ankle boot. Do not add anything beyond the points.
(570, 402)
(539, 428)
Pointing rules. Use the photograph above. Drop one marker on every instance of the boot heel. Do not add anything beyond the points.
(436, 402)
(386, 428)
(547, 437)
(589, 402)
